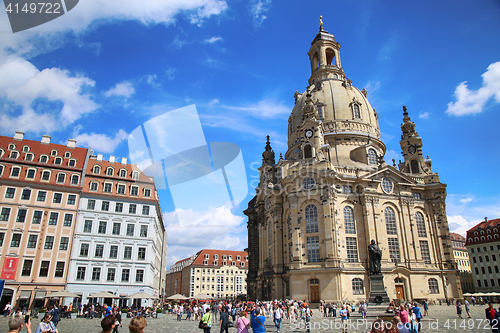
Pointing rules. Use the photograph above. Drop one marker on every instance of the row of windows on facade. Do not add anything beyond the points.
(120, 189)
(110, 276)
(213, 271)
(116, 230)
(313, 250)
(486, 258)
(33, 240)
(22, 215)
(482, 238)
(458, 245)
(312, 226)
(490, 270)
(10, 193)
(358, 285)
(485, 283)
(113, 251)
(238, 289)
(485, 249)
(220, 279)
(463, 262)
(224, 257)
(488, 231)
(110, 171)
(132, 208)
(224, 263)
(45, 175)
(44, 268)
(44, 158)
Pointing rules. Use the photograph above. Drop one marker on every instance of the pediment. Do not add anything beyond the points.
(392, 173)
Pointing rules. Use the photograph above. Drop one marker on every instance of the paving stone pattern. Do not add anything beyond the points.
(441, 319)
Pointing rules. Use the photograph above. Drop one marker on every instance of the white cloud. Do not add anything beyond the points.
(169, 73)
(265, 108)
(21, 83)
(473, 102)
(210, 8)
(258, 10)
(124, 89)
(466, 200)
(215, 228)
(423, 115)
(213, 40)
(101, 142)
(178, 43)
(460, 225)
(213, 102)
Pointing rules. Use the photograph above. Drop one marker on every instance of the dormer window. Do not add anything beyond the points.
(53, 153)
(26, 149)
(43, 159)
(97, 169)
(67, 154)
(72, 163)
(12, 146)
(147, 193)
(135, 175)
(58, 161)
(28, 157)
(372, 156)
(13, 154)
(123, 173)
(109, 172)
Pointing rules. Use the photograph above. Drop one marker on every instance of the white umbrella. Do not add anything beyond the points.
(203, 296)
(61, 293)
(178, 297)
(142, 295)
(103, 294)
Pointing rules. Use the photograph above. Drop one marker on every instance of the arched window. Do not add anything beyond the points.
(372, 156)
(58, 161)
(123, 173)
(1, 169)
(398, 280)
(330, 57)
(390, 221)
(43, 159)
(433, 286)
(109, 172)
(419, 219)
(97, 169)
(355, 111)
(415, 167)
(315, 63)
(311, 219)
(15, 171)
(489, 237)
(495, 236)
(72, 162)
(61, 177)
(307, 151)
(314, 281)
(357, 286)
(46, 175)
(350, 226)
(476, 239)
(135, 175)
(74, 179)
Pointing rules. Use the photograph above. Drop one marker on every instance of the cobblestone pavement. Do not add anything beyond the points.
(441, 319)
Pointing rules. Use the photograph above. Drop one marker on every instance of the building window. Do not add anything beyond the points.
(144, 231)
(134, 190)
(41, 196)
(433, 286)
(130, 230)
(105, 206)
(111, 274)
(387, 185)
(43, 159)
(116, 228)
(71, 199)
(72, 163)
(424, 250)
(63, 245)
(132, 208)
(53, 218)
(28, 157)
(352, 249)
(113, 252)
(312, 249)
(107, 187)
(357, 286)
(4, 216)
(61, 177)
(311, 219)
(32, 240)
(141, 255)
(87, 227)
(96, 273)
(59, 269)
(350, 227)
(139, 275)
(147, 193)
(390, 221)
(394, 249)
(97, 169)
(91, 204)
(99, 250)
(94, 186)
(127, 253)
(109, 172)
(46, 175)
(44, 269)
(417, 196)
(119, 207)
(355, 110)
(102, 227)
(74, 179)
(135, 175)
(10, 192)
(27, 267)
(15, 172)
(21, 215)
(308, 183)
(68, 220)
(2, 236)
(372, 156)
(145, 210)
(121, 189)
(57, 198)
(346, 189)
(84, 250)
(80, 273)
(125, 275)
(49, 242)
(58, 161)
(123, 173)
(26, 194)
(16, 240)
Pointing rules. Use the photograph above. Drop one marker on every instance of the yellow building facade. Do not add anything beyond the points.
(317, 208)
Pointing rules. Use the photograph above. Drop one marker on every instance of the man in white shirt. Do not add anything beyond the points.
(278, 315)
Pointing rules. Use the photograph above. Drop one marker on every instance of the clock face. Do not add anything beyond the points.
(309, 134)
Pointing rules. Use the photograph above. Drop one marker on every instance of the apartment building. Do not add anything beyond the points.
(462, 262)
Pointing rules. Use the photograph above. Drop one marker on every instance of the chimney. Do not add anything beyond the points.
(99, 157)
(45, 139)
(111, 159)
(19, 135)
(485, 219)
(124, 160)
(71, 143)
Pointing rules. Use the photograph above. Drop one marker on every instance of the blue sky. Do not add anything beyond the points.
(107, 66)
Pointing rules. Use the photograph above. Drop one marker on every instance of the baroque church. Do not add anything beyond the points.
(317, 209)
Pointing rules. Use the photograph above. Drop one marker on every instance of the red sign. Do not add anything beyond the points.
(9, 268)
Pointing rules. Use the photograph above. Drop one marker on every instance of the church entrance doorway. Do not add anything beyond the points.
(314, 290)
(400, 293)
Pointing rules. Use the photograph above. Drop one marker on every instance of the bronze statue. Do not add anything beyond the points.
(375, 257)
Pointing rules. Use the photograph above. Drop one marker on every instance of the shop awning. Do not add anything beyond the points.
(40, 294)
(25, 294)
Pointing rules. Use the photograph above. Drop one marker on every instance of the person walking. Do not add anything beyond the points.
(459, 309)
(426, 308)
(55, 312)
(343, 318)
(278, 316)
(258, 321)
(224, 320)
(243, 323)
(118, 320)
(207, 321)
(492, 317)
(467, 308)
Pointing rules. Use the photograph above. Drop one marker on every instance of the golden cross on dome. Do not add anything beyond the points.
(321, 21)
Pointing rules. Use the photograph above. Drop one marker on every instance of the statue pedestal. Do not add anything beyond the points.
(378, 295)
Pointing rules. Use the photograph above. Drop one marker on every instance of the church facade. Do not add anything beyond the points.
(317, 209)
